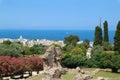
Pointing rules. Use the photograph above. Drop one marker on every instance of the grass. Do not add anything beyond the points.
(36, 77)
(108, 74)
(69, 76)
(89, 69)
(109, 52)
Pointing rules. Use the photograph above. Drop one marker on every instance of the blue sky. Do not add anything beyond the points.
(58, 14)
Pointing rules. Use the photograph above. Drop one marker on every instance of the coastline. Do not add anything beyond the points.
(52, 34)
(31, 42)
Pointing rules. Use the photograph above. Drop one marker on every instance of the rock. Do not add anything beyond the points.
(64, 70)
(82, 77)
(101, 78)
(78, 69)
(57, 73)
(52, 67)
(82, 72)
(78, 77)
(52, 58)
(47, 78)
(54, 73)
(87, 77)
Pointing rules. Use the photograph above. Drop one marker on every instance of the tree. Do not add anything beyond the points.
(84, 49)
(97, 50)
(7, 42)
(72, 39)
(74, 61)
(106, 37)
(107, 46)
(98, 36)
(68, 48)
(111, 61)
(117, 38)
(77, 51)
(86, 43)
(14, 50)
(26, 50)
(38, 49)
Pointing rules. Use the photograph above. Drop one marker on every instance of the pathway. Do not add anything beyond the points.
(88, 54)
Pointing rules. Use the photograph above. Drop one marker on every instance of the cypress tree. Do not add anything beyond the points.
(117, 38)
(106, 37)
(98, 36)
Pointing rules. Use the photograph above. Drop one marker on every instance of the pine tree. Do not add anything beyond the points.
(106, 37)
(98, 36)
(117, 38)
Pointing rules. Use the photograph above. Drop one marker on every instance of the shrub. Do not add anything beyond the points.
(84, 50)
(12, 66)
(38, 49)
(97, 49)
(74, 61)
(86, 43)
(95, 61)
(68, 48)
(13, 50)
(36, 63)
(111, 61)
(107, 46)
(77, 51)
(72, 39)
(7, 42)
(9, 65)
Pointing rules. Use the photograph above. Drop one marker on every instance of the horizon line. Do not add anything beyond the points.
(54, 29)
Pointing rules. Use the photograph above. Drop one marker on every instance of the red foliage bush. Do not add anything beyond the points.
(10, 65)
(5, 65)
(36, 63)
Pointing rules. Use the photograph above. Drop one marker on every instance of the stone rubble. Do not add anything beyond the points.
(52, 68)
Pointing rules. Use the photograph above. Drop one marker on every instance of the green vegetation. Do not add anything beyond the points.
(73, 61)
(16, 49)
(77, 51)
(86, 43)
(106, 37)
(117, 38)
(38, 49)
(107, 74)
(36, 77)
(97, 50)
(98, 36)
(69, 75)
(111, 61)
(103, 54)
(107, 46)
(74, 54)
(72, 39)
(13, 49)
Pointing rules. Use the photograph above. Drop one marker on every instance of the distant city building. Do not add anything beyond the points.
(30, 43)
(27, 42)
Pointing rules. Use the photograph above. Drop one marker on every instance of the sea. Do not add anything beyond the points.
(52, 34)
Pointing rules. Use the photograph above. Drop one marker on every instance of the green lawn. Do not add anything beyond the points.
(89, 69)
(36, 77)
(108, 74)
(69, 76)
